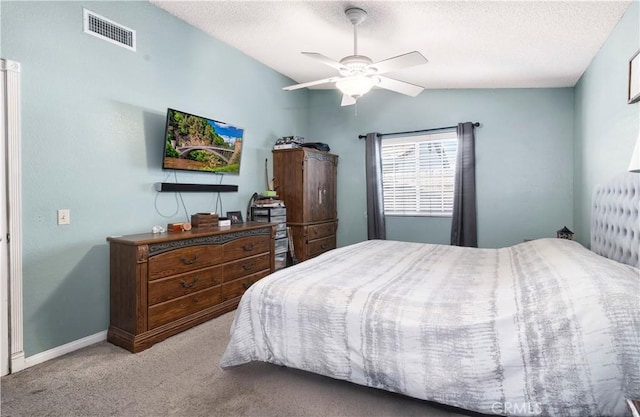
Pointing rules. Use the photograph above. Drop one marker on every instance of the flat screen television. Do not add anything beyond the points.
(195, 143)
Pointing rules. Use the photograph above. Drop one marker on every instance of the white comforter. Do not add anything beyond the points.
(540, 328)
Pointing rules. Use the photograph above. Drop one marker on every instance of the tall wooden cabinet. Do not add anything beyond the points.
(305, 179)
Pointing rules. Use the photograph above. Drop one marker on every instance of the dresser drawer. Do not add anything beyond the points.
(236, 288)
(169, 311)
(318, 231)
(247, 266)
(316, 247)
(182, 260)
(248, 246)
(165, 289)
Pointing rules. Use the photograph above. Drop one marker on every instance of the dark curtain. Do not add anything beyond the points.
(464, 226)
(375, 203)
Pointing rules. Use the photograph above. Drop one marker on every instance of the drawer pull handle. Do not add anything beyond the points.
(324, 246)
(185, 285)
(248, 267)
(248, 247)
(196, 299)
(189, 262)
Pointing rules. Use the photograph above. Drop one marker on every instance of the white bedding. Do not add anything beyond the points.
(544, 327)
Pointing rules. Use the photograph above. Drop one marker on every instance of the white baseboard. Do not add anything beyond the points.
(64, 349)
(17, 362)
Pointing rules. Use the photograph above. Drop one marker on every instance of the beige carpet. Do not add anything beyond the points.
(181, 377)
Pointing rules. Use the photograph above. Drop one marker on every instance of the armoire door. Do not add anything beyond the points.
(319, 187)
(288, 175)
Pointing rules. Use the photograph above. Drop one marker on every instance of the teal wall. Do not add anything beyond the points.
(606, 127)
(524, 158)
(92, 140)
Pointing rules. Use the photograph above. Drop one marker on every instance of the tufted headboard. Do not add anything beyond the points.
(615, 221)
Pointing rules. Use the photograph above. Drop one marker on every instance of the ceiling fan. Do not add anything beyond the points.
(358, 73)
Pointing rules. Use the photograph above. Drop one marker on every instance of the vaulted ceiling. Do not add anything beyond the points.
(469, 44)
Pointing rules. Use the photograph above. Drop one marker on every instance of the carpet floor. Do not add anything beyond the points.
(181, 377)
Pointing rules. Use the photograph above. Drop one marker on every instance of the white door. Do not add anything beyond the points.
(4, 253)
(11, 352)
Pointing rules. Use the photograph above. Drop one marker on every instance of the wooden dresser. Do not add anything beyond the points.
(306, 180)
(162, 284)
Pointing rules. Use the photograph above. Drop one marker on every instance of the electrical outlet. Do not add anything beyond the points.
(64, 216)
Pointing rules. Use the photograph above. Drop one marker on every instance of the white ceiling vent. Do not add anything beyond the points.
(110, 31)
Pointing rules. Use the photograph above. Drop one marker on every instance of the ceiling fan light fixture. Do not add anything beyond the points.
(356, 86)
(358, 73)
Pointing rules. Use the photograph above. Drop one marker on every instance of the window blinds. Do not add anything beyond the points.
(418, 174)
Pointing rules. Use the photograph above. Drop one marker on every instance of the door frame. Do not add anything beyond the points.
(4, 248)
(11, 138)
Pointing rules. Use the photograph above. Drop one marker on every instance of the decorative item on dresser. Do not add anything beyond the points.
(305, 180)
(162, 284)
(204, 221)
(235, 217)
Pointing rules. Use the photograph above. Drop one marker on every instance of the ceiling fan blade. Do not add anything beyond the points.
(399, 62)
(347, 100)
(311, 83)
(324, 59)
(399, 86)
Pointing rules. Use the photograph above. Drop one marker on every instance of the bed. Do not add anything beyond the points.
(545, 327)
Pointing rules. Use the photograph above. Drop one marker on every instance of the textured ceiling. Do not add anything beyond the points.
(469, 44)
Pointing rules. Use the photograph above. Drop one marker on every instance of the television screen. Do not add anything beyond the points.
(195, 143)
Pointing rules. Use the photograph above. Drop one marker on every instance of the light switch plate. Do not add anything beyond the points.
(64, 216)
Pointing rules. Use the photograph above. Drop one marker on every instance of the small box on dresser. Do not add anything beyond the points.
(162, 284)
(204, 220)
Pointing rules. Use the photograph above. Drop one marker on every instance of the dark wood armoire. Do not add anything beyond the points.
(306, 180)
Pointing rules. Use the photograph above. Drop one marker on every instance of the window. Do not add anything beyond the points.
(418, 174)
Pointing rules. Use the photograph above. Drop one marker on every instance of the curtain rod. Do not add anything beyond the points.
(476, 124)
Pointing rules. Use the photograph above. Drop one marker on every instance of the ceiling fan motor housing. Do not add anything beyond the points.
(356, 65)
